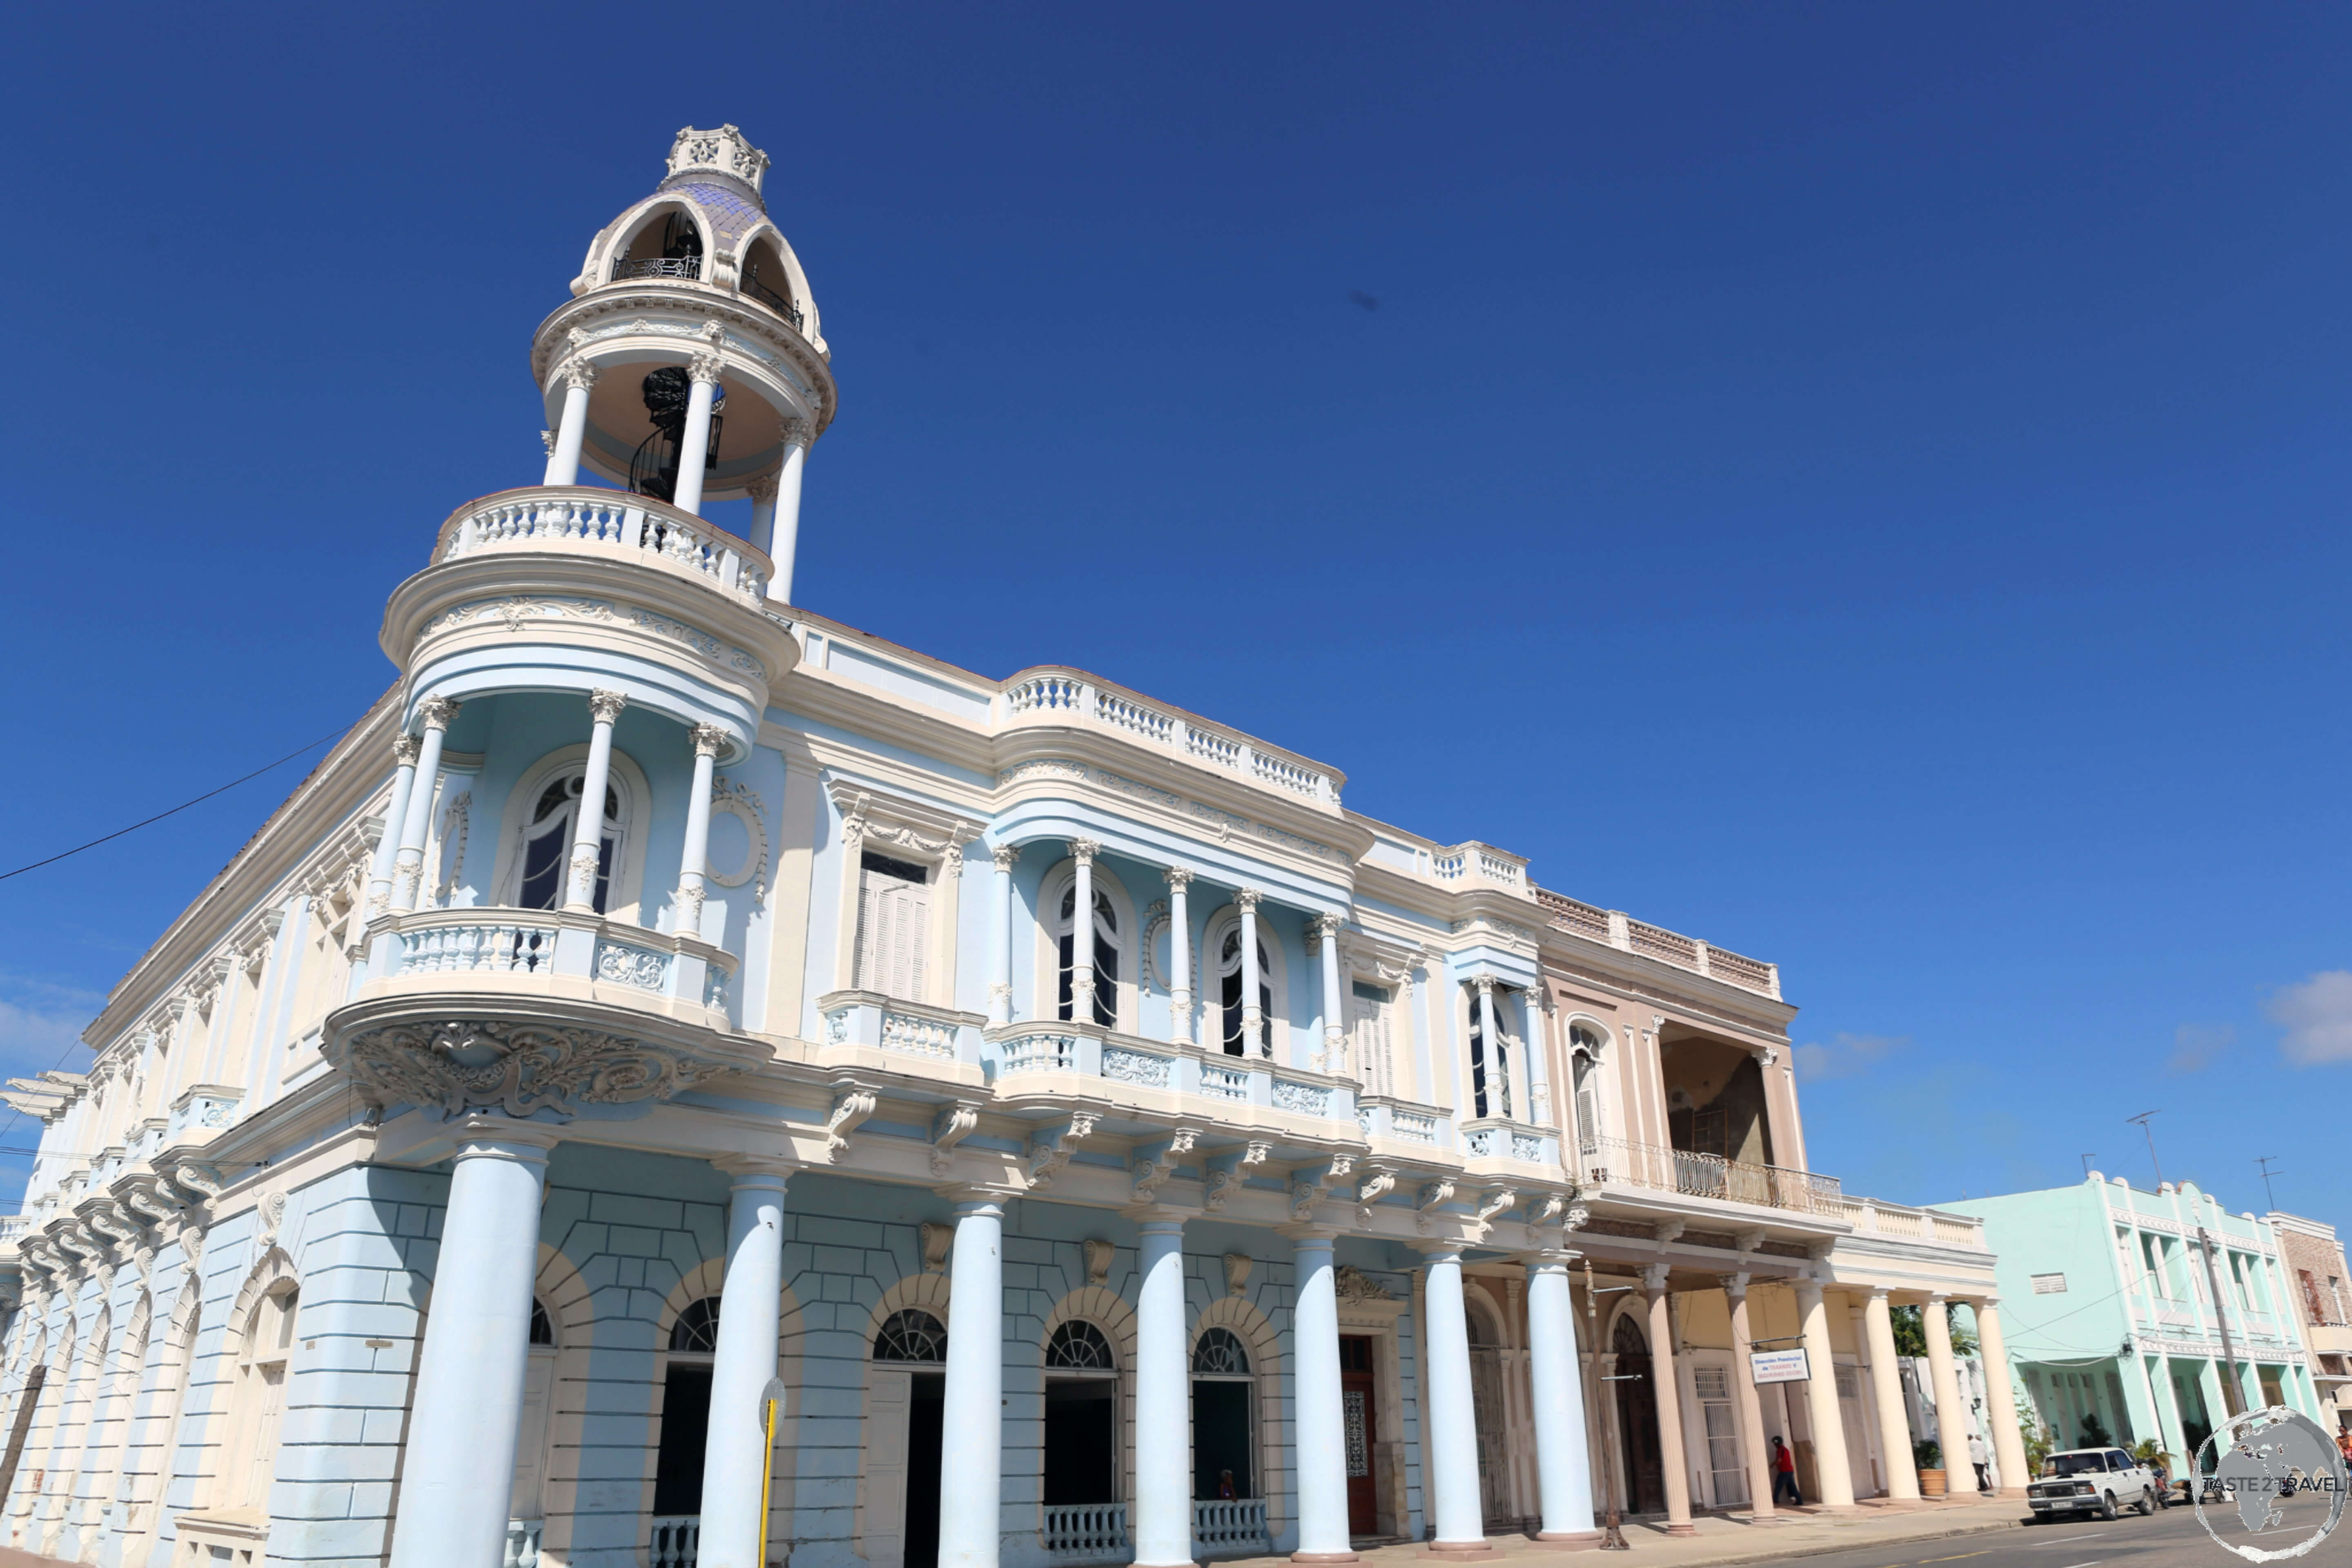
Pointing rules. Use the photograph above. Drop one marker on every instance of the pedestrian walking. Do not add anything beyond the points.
(1784, 1476)
(1980, 1457)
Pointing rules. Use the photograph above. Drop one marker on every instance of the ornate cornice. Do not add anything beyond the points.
(484, 1064)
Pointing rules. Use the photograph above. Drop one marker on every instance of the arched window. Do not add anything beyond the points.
(1220, 1353)
(1106, 954)
(542, 1327)
(547, 842)
(1584, 1056)
(697, 1329)
(258, 1402)
(1225, 1418)
(1229, 989)
(911, 1334)
(765, 279)
(1078, 1346)
(1490, 1070)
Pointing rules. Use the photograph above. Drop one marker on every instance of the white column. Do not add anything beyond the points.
(763, 513)
(2000, 1400)
(1832, 1474)
(1082, 931)
(1667, 1384)
(735, 1455)
(572, 429)
(1163, 1402)
(1498, 1074)
(1563, 1466)
(1886, 1391)
(1319, 1435)
(470, 1378)
(971, 1454)
(1538, 1067)
(1180, 955)
(787, 533)
(1450, 1443)
(408, 869)
(693, 446)
(395, 820)
(588, 833)
(1951, 1417)
(693, 860)
(999, 978)
(1751, 1409)
(1254, 1041)
(1335, 1050)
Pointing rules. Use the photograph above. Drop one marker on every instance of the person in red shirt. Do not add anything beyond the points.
(1784, 1476)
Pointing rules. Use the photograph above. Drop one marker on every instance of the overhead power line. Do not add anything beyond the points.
(184, 805)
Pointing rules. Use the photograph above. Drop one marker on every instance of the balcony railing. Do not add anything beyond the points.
(553, 517)
(780, 303)
(1039, 1047)
(1874, 1217)
(1619, 931)
(687, 267)
(676, 1541)
(536, 944)
(1230, 1527)
(1085, 1532)
(1616, 1160)
(1069, 696)
(522, 1544)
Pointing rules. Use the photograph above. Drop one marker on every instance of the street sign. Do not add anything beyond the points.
(1781, 1366)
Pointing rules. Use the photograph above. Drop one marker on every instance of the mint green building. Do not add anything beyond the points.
(2133, 1314)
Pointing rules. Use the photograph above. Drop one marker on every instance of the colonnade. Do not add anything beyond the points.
(454, 1495)
(775, 497)
(396, 872)
(1185, 1007)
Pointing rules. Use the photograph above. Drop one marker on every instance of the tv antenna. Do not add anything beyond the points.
(2087, 1163)
(2141, 1122)
(2263, 1163)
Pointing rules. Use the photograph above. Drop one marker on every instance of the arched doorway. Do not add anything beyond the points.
(1486, 1407)
(906, 1396)
(1637, 1420)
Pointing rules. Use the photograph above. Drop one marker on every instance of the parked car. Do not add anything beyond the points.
(2102, 1481)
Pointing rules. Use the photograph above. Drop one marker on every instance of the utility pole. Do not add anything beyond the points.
(2141, 1122)
(1612, 1536)
(2264, 1163)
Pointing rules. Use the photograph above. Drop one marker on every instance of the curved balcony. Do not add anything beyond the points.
(686, 267)
(550, 954)
(1057, 696)
(611, 524)
(1056, 1061)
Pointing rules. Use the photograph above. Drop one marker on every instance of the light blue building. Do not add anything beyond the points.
(2131, 1314)
(1103, 1144)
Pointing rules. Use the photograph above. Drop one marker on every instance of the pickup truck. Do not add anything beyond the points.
(2094, 1480)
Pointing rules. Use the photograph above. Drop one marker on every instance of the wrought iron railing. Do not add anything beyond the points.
(779, 302)
(688, 267)
(1620, 1160)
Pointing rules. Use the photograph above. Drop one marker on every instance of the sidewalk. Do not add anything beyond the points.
(1727, 1539)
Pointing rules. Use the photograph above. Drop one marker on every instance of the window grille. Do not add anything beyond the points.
(1078, 1347)
(911, 1334)
(1220, 1354)
(697, 1329)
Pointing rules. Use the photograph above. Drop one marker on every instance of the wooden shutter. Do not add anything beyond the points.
(530, 1440)
(1369, 1016)
(888, 1396)
(894, 919)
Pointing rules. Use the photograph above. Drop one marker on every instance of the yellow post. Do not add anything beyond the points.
(767, 1476)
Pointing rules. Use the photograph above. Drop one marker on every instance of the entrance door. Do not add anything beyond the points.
(1359, 1421)
(685, 1429)
(1637, 1420)
(1486, 1411)
(923, 1428)
(1081, 1441)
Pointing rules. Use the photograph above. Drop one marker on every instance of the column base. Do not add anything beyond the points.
(1572, 1540)
(1679, 1531)
(1324, 1557)
(1765, 1522)
(1480, 1550)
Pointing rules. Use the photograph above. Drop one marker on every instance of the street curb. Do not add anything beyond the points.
(1824, 1548)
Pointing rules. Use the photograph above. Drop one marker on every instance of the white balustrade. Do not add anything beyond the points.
(918, 1036)
(1124, 713)
(561, 516)
(1224, 1083)
(1230, 1527)
(1059, 697)
(1213, 747)
(1037, 1052)
(522, 1544)
(1614, 928)
(675, 1541)
(509, 946)
(1086, 1532)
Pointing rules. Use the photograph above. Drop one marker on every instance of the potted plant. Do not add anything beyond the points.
(1929, 1459)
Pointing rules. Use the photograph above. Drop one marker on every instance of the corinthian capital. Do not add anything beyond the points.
(1004, 854)
(604, 707)
(579, 374)
(436, 713)
(1246, 899)
(706, 367)
(710, 740)
(1084, 850)
(763, 489)
(1179, 875)
(403, 751)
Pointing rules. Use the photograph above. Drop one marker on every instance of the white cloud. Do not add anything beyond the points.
(1845, 1056)
(2195, 1045)
(41, 1022)
(2316, 1015)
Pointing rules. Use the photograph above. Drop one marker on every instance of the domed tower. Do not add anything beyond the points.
(691, 364)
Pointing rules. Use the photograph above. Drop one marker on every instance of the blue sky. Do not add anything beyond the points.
(1861, 485)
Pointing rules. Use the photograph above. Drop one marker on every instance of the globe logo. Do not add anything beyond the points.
(2269, 1485)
